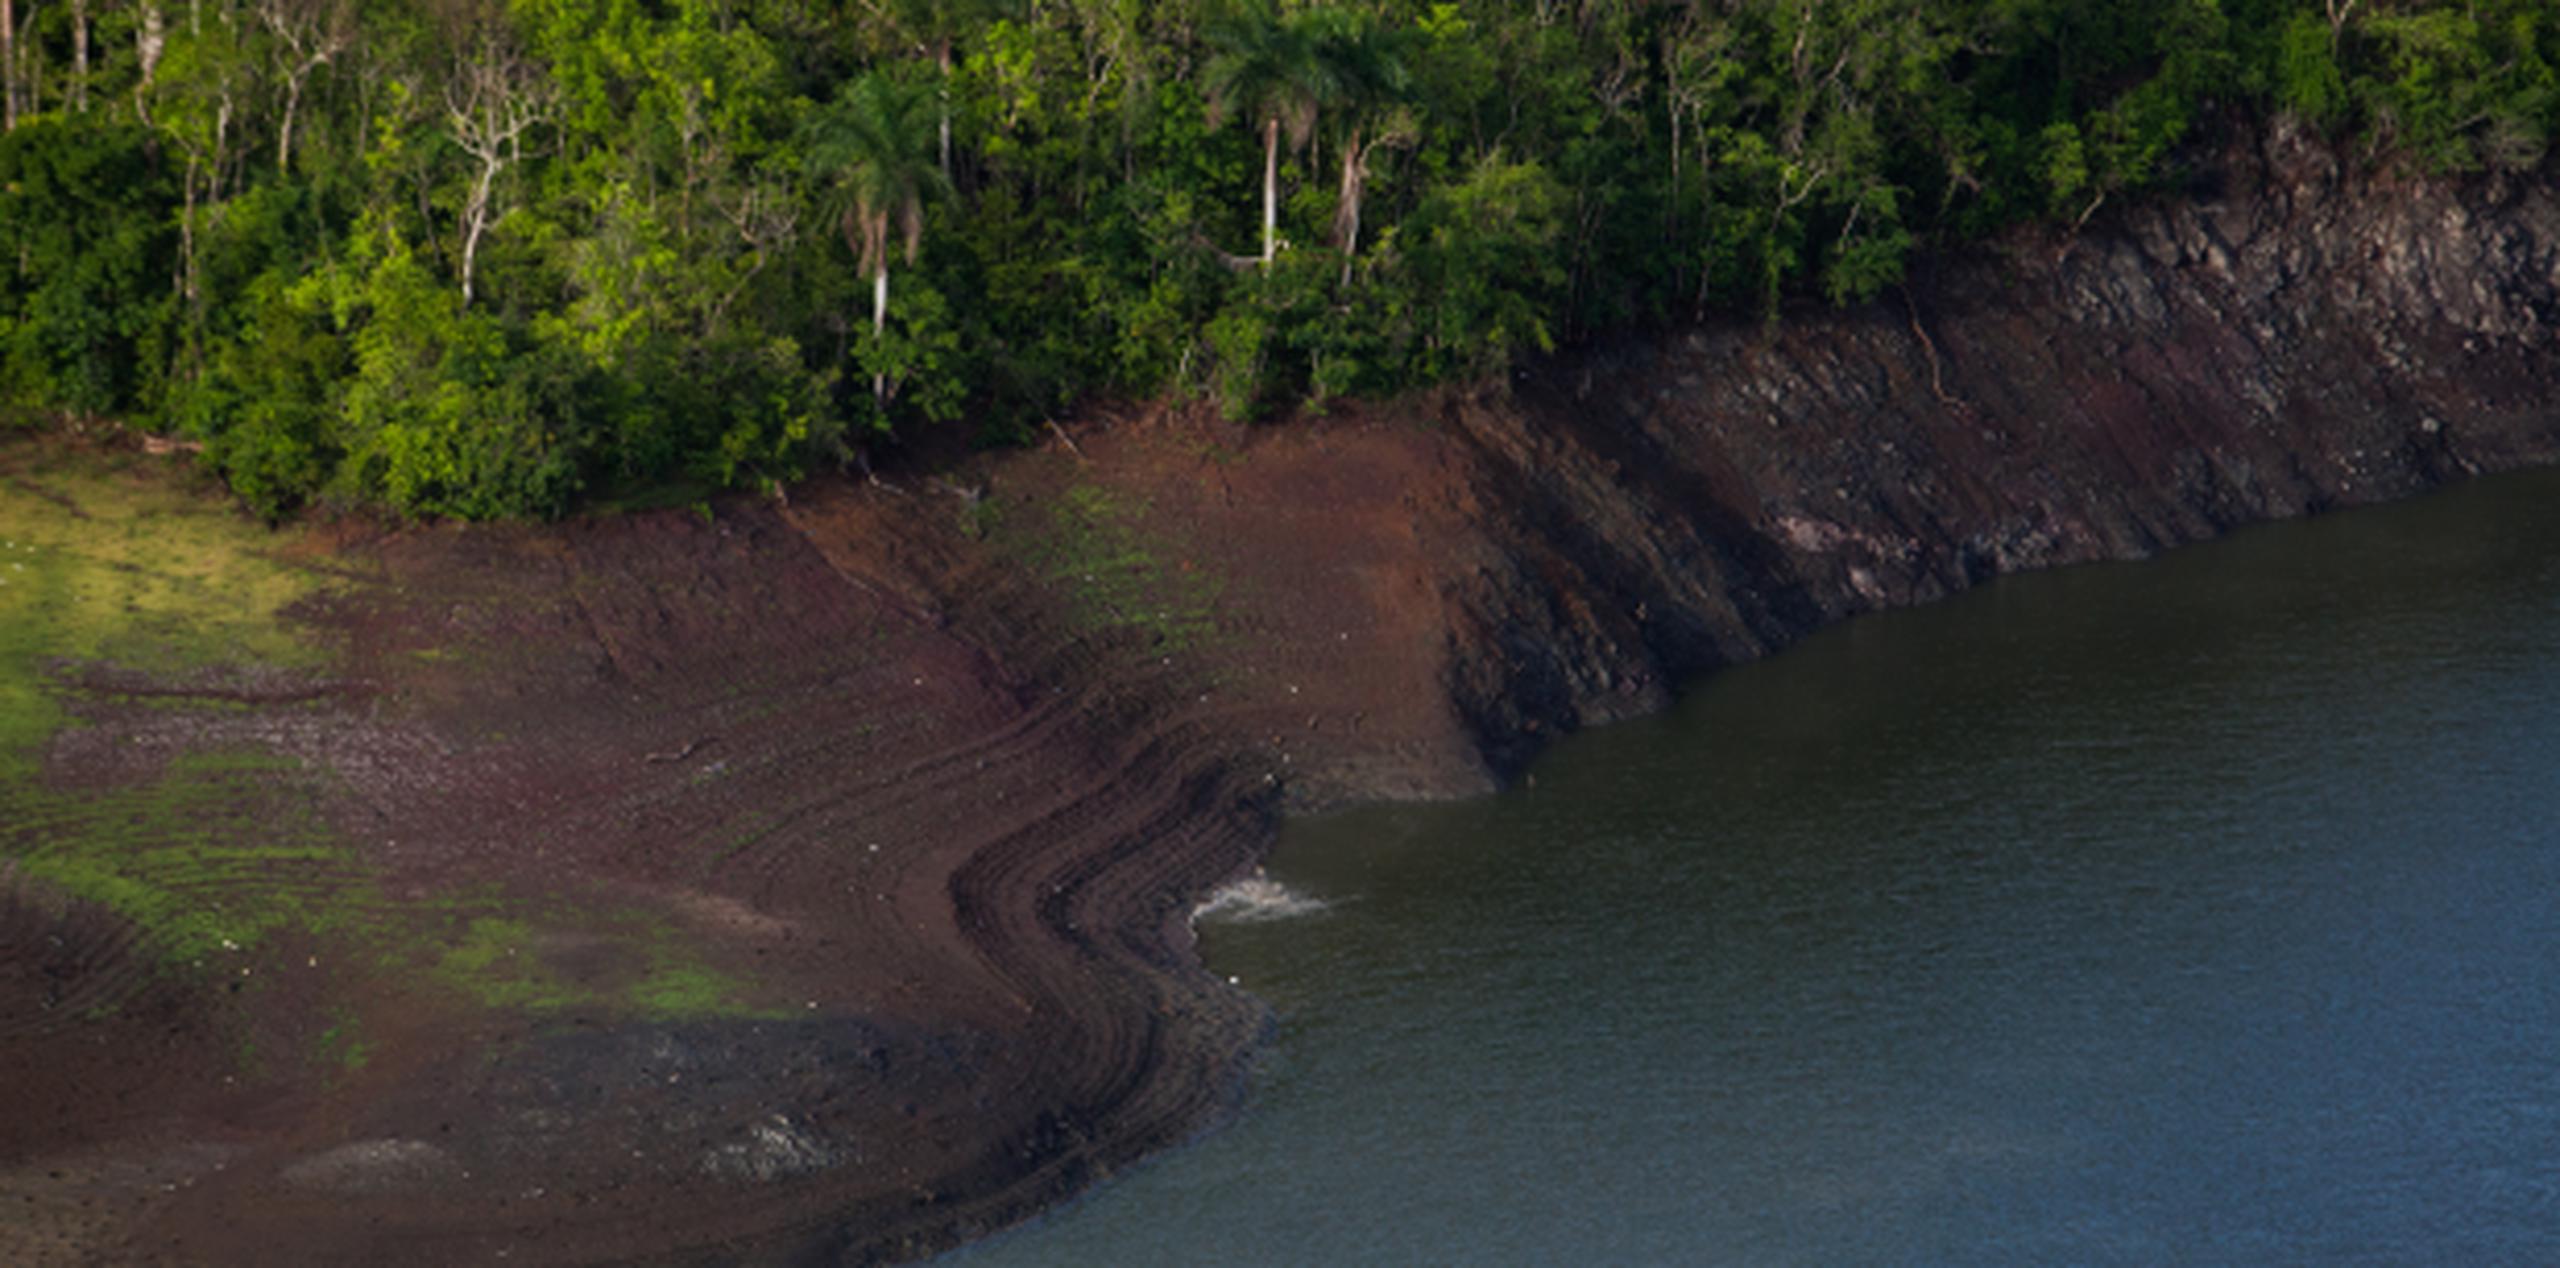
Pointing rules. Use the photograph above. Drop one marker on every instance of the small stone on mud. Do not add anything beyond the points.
(373, 1166)
(772, 1149)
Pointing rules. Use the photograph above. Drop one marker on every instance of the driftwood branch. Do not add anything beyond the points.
(1065, 439)
(687, 751)
(1937, 381)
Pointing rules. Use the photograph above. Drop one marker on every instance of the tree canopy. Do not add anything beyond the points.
(496, 257)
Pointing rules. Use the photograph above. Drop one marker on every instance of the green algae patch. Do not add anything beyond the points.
(341, 1044)
(203, 863)
(110, 565)
(152, 684)
(675, 989)
(109, 558)
(1118, 578)
(622, 961)
(499, 964)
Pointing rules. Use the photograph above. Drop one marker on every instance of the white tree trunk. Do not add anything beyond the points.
(8, 65)
(308, 33)
(284, 132)
(2340, 11)
(148, 41)
(942, 55)
(80, 55)
(1348, 214)
(187, 239)
(495, 98)
(1270, 187)
(880, 319)
(475, 219)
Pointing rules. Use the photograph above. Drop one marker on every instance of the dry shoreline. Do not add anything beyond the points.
(927, 778)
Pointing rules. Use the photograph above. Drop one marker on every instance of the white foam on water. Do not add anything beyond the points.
(1256, 899)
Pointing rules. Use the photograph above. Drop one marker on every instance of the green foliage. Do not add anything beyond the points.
(1486, 267)
(919, 356)
(675, 221)
(868, 148)
(264, 405)
(2462, 86)
(2309, 80)
(444, 413)
(84, 235)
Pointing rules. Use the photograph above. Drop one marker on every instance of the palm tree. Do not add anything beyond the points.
(1268, 69)
(873, 148)
(1365, 67)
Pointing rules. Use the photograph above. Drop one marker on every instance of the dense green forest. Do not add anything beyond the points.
(493, 257)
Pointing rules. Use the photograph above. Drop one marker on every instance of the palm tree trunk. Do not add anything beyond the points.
(80, 56)
(1270, 187)
(8, 65)
(1347, 214)
(880, 319)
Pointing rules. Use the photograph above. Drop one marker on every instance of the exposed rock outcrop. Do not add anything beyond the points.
(2292, 338)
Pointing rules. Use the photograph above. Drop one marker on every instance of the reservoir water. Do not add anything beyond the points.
(2204, 910)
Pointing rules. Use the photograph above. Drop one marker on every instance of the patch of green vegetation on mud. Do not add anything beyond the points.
(679, 990)
(342, 1043)
(205, 859)
(107, 560)
(1117, 577)
(497, 962)
(216, 848)
(628, 962)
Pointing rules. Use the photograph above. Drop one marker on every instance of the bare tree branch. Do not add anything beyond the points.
(496, 96)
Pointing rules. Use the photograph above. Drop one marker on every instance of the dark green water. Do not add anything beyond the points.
(2199, 911)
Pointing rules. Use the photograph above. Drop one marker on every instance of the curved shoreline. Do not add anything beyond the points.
(951, 763)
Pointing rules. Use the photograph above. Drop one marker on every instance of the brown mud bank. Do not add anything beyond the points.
(814, 881)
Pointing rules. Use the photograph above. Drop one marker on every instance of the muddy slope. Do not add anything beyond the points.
(926, 778)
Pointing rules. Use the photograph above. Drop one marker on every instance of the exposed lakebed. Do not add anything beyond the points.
(2195, 910)
(808, 877)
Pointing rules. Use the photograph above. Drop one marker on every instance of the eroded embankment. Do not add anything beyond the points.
(816, 878)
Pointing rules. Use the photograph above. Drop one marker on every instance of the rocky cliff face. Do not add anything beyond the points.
(2292, 338)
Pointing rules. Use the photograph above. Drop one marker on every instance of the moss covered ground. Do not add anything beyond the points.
(1120, 578)
(217, 851)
